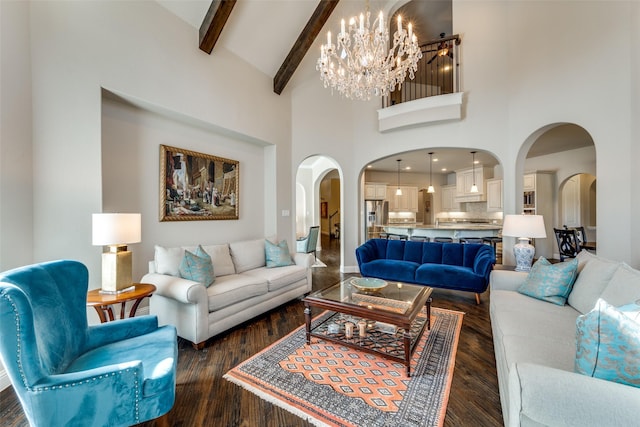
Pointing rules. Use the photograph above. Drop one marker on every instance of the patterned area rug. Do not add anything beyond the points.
(333, 385)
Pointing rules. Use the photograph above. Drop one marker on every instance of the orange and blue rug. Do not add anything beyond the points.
(333, 385)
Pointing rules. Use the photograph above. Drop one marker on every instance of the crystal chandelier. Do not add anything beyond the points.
(361, 65)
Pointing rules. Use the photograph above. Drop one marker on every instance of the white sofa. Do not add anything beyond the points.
(535, 347)
(243, 288)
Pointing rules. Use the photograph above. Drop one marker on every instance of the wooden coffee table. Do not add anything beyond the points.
(392, 316)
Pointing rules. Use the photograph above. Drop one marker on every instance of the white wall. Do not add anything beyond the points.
(130, 176)
(16, 172)
(16, 188)
(634, 158)
(142, 52)
(511, 93)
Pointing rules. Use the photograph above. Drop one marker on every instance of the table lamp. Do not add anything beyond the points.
(116, 230)
(524, 227)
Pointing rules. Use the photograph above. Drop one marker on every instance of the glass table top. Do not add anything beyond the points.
(395, 297)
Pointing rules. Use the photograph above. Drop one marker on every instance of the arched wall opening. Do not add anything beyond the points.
(553, 154)
(445, 169)
(318, 196)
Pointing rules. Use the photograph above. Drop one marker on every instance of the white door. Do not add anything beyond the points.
(571, 202)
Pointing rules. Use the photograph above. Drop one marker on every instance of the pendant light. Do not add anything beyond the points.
(430, 189)
(399, 191)
(474, 187)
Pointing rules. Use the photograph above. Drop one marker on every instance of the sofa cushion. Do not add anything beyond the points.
(591, 281)
(221, 259)
(550, 282)
(277, 255)
(168, 260)
(624, 286)
(395, 249)
(197, 267)
(432, 253)
(247, 255)
(280, 277)
(234, 288)
(452, 254)
(530, 330)
(608, 342)
(450, 276)
(390, 269)
(413, 251)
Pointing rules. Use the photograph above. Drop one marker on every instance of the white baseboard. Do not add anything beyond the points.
(349, 269)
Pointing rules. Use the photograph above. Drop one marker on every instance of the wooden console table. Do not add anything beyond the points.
(102, 302)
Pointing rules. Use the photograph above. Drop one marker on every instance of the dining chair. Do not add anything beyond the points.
(67, 373)
(308, 243)
(568, 243)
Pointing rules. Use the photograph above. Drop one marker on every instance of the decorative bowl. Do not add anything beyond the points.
(368, 284)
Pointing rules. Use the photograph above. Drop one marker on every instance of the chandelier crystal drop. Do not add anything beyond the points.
(361, 65)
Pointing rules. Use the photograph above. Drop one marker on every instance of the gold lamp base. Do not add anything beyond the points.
(116, 269)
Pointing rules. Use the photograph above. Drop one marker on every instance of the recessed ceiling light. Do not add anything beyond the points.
(476, 162)
(444, 169)
(435, 160)
(369, 166)
(407, 168)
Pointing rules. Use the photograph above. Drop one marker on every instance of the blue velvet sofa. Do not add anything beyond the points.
(456, 266)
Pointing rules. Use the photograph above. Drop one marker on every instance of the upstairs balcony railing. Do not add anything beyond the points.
(438, 72)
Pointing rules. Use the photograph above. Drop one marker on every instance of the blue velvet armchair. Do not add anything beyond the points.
(66, 372)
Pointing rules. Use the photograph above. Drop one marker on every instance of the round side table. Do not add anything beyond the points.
(102, 302)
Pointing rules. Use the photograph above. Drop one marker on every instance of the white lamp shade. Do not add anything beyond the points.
(530, 226)
(116, 229)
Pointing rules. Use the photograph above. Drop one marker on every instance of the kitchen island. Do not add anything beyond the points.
(449, 229)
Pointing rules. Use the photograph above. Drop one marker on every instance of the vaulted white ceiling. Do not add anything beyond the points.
(262, 32)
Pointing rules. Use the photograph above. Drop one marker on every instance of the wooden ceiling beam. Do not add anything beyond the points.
(302, 45)
(213, 23)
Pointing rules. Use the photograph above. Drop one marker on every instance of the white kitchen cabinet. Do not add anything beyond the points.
(407, 202)
(465, 179)
(494, 195)
(373, 191)
(529, 182)
(449, 203)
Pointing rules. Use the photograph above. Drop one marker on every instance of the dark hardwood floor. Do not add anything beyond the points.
(204, 398)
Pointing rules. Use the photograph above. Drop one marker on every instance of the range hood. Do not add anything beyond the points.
(480, 197)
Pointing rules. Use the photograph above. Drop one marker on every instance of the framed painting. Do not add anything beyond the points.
(197, 186)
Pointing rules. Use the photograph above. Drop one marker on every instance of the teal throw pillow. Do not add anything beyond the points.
(608, 343)
(277, 255)
(197, 267)
(550, 282)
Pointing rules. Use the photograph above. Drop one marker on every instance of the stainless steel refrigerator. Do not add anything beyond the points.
(376, 215)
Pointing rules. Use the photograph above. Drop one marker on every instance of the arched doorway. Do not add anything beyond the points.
(577, 203)
(563, 157)
(318, 189)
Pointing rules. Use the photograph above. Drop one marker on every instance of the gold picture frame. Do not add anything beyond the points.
(196, 186)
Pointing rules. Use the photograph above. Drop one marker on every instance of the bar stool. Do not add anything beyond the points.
(471, 240)
(419, 239)
(493, 241)
(397, 237)
(443, 239)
